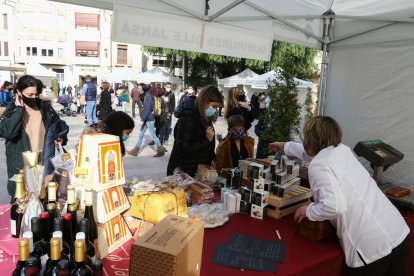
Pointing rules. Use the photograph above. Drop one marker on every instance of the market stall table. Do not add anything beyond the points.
(303, 257)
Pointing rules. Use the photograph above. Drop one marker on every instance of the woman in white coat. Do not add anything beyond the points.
(372, 232)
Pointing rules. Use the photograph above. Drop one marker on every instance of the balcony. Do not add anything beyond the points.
(42, 60)
(87, 60)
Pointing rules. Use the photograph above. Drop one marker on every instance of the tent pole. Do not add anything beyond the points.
(328, 22)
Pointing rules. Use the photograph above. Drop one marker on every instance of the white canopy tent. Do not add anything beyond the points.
(122, 74)
(261, 81)
(368, 53)
(242, 78)
(157, 75)
(39, 71)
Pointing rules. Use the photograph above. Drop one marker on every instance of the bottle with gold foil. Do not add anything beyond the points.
(51, 192)
(54, 258)
(81, 268)
(16, 215)
(93, 230)
(23, 256)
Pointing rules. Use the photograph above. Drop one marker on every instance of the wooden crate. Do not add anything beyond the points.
(297, 194)
(277, 212)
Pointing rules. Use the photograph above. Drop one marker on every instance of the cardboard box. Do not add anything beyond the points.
(98, 162)
(156, 205)
(112, 235)
(283, 177)
(109, 203)
(255, 170)
(245, 207)
(232, 202)
(246, 194)
(281, 190)
(258, 185)
(172, 247)
(260, 198)
(258, 212)
(225, 191)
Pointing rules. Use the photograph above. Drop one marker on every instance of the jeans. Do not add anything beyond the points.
(135, 102)
(168, 128)
(151, 127)
(91, 112)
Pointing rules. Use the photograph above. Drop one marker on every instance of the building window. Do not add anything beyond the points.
(6, 48)
(122, 54)
(86, 20)
(31, 51)
(87, 49)
(159, 61)
(60, 52)
(44, 53)
(50, 53)
(5, 24)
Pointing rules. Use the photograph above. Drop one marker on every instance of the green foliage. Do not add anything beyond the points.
(308, 104)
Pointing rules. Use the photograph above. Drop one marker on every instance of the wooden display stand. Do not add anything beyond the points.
(280, 207)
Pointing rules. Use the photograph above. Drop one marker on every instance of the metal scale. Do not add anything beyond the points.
(382, 156)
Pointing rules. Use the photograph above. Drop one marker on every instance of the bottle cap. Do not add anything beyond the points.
(80, 236)
(23, 249)
(67, 217)
(44, 215)
(35, 224)
(51, 206)
(55, 246)
(57, 224)
(57, 234)
(29, 235)
(84, 225)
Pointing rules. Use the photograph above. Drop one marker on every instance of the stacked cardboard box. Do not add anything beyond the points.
(254, 197)
(99, 165)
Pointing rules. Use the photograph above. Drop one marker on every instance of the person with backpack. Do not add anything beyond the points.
(148, 119)
(6, 95)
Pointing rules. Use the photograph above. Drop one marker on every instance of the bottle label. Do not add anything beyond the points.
(88, 199)
(71, 196)
(13, 227)
(111, 164)
(51, 193)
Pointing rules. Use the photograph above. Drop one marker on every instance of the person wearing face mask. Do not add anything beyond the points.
(24, 125)
(235, 146)
(237, 105)
(170, 99)
(117, 123)
(194, 136)
(6, 95)
(373, 234)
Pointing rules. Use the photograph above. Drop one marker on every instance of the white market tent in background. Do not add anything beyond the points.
(242, 78)
(368, 52)
(121, 74)
(42, 73)
(157, 75)
(261, 81)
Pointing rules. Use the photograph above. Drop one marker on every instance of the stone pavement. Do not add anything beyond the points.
(143, 167)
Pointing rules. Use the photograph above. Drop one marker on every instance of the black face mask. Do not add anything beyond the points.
(31, 102)
(242, 98)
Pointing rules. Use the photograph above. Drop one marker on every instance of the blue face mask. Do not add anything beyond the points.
(209, 111)
(125, 137)
(237, 135)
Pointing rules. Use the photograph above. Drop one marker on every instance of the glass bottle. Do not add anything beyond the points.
(55, 257)
(64, 255)
(97, 268)
(71, 197)
(16, 215)
(32, 267)
(75, 227)
(67, 233)
(23, 256)
(51, 209)
(63, 268)
(29, 235)
(44, 222)
(80, 266)
(51, 192)
(82, 236)
(93, 230)
(84, 227)
(58, 226)
(38, 242)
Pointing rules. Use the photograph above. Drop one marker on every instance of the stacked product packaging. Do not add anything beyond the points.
(99, 166)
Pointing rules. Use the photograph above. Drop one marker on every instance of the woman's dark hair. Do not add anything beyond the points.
(161, 92)
(29, 81)
(320, 132)
(208, 94)
(145, 87)
(116, 123)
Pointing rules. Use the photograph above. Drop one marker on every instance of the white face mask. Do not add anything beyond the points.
(168, 89)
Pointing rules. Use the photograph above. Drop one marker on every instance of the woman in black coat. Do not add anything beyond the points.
(237, 105)
(105, 103)
(194, 133)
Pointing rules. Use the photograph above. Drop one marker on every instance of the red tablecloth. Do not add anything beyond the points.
(303, 257)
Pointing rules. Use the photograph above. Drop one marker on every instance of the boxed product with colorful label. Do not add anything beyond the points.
(260, 198)
(99, 162)
(258, 212)
(109, 203)
(255, 170)
(172, 247)
(112, 235)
